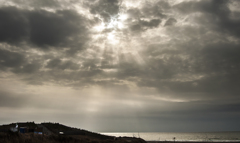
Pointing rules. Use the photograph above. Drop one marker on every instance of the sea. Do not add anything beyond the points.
(166, 136)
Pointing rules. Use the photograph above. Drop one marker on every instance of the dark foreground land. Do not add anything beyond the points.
(57, 133)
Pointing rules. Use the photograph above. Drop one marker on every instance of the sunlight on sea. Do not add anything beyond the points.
(164, 136)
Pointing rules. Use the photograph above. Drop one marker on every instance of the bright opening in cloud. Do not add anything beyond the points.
(123, 17)
(112, 38)
(100, 27)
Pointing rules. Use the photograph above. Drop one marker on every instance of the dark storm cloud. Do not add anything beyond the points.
(18, 63)
(221, 57)
(63, 72)
(212, 6)
(59, 64)
(143, 25)
(216, 13)
(61, 28)
(10, 59)
(134, 13)
(105, 8)
(29, 67)
(157, 9)
(207, 88)
(218, 63)
(37, 3)
(170, 21)
(56, 29)
(42, 28)
(154, 12)
(14, 25)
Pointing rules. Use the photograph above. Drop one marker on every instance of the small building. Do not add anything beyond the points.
(38, 131)
(13, 129)
(23, 130)
(61, 133)
(31, 130)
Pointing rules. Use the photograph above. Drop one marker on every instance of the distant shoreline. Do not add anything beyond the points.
(193, 141)
(166, 137)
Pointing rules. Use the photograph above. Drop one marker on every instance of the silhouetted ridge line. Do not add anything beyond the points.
(47, 132)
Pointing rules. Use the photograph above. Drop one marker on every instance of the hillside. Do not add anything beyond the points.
(56, 133)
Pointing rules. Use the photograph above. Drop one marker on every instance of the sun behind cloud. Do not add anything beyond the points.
(111, 29)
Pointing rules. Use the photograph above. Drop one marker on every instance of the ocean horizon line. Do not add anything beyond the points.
(181, 136)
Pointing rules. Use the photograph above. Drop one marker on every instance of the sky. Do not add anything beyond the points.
(121, 66)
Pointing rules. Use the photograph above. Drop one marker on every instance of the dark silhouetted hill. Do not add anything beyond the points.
(59, 134)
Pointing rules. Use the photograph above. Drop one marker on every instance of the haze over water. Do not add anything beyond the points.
(168, 136)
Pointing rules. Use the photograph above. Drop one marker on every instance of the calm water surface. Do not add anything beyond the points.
(162, 136)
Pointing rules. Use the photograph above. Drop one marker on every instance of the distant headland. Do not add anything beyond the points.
(47, 132)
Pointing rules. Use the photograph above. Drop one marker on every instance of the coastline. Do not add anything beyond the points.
(168, 137)
(193, 141)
